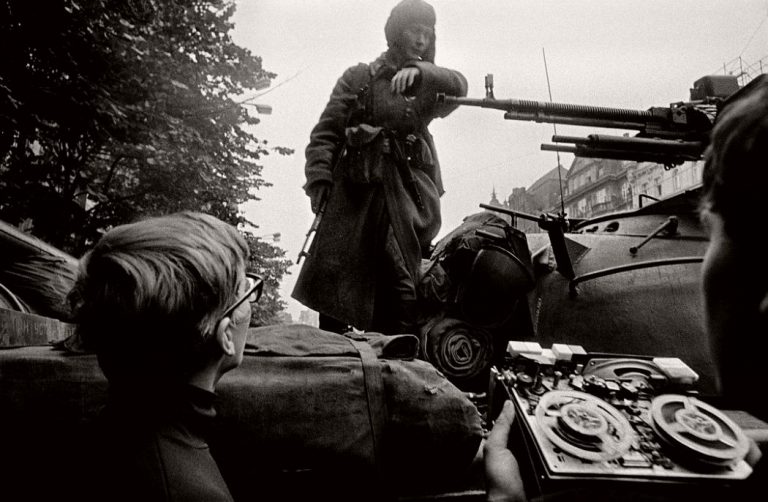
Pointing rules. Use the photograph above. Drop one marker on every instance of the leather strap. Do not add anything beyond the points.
(374, 391)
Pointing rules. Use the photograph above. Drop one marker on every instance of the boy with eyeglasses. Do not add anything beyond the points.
(165, 303)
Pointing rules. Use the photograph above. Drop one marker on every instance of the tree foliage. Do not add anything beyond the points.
(114, 110)
(269, 262)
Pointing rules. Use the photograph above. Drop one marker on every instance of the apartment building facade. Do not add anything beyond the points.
(592, 187)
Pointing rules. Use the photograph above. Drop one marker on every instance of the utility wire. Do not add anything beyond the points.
(753, 35)
(271, 88)
(746, 46)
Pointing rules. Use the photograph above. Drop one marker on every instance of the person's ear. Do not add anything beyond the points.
(225, 336)
(764, 306)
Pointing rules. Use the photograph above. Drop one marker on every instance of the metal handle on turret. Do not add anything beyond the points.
(669, 226)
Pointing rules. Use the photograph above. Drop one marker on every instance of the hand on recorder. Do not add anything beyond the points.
(754, 454)
(502, 474)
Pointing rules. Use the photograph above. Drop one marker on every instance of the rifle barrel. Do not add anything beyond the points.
(312, 229)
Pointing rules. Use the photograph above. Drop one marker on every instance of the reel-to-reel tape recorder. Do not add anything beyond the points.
(618, 422)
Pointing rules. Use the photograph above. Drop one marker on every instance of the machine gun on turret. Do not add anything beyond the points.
(666, 135)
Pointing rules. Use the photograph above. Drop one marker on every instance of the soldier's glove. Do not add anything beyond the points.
(318, 192)
(404, 80)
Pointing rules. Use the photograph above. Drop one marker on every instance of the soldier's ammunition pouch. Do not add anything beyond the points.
(367, 145)
(362, 162)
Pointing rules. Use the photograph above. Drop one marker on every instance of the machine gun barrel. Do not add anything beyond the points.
(668, 135)
(561, 113)
(667, 152)
(685, 121)
(667, 159)
(638, 144)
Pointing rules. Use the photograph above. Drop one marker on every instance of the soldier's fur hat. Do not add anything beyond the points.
(405, 13)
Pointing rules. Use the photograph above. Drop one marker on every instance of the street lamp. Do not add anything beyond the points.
(261, 84)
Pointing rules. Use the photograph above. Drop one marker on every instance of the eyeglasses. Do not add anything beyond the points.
(253, 294)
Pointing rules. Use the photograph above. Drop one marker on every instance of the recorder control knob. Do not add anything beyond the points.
(524, 380)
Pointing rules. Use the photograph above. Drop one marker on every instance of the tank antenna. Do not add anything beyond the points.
(554, 126)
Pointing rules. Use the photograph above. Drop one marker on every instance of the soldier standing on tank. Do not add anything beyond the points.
(372, 169)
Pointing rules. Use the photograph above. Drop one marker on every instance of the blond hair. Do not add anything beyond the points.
(148, 296)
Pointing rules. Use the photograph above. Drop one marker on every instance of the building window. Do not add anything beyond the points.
(582, 206)
(601, 196)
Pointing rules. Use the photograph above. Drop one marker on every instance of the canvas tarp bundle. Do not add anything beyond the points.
(303, 401)
(345, 404)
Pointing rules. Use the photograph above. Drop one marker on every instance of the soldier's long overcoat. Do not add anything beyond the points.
(355, 145)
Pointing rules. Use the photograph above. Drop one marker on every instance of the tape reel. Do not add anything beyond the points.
(583, 425)
(698, 430)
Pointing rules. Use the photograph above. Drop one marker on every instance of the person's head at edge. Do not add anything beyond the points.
(410, 30)
(149, 300)
(735, 272)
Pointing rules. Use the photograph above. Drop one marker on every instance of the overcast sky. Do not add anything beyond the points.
(617, 53)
